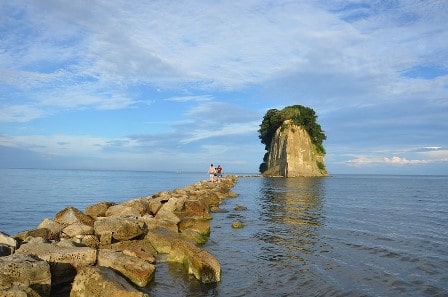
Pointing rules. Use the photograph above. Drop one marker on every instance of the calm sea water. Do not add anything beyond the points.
(342, 235)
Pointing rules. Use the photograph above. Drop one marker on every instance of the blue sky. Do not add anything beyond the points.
(162, 85)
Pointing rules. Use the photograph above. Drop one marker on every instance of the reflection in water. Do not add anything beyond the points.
(292, 207)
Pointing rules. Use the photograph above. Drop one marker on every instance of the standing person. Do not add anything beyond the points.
(219, 171)
(212, 172)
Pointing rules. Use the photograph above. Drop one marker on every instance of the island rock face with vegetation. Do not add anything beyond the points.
(293, 141)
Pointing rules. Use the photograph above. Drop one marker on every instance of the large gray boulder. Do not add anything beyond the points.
(24, 274)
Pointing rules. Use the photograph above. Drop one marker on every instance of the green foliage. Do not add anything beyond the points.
(301, 116)
(320, 165)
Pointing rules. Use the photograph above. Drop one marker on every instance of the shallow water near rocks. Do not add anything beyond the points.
(342, 235)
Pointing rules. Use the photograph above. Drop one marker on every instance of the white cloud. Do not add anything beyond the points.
(224, 130)
(200, 98)
(20, 113)
(395, 160)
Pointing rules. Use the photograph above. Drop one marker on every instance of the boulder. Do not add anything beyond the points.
(7, 244)
(99, 209)
(54, 228)
(100, 282)
(77, 229)
(90, 241)
(122, 211)
(139, 204)
(202, 226)
(195, 208)
(40, 232)
(24, 274)
(120, 228)
(136, 248)
(64, 258)
(204, 266)
(71, 215)
(137, 270)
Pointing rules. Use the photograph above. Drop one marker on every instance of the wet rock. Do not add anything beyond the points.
(240, 208)
(202, 226)
(237, 225)
(100, 282)
(21, 274)
(137, 248)
(137, 270)
(204, 266)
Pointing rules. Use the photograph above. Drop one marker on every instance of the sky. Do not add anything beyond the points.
(177, 85)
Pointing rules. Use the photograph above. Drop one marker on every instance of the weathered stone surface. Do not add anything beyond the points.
(7, 244)
(168, 216)
(40, 232)
(71, 215)
(137, 270)
(293, 154)
(18, 291)
(195, 208)
(64, 260)
(77, 229)
(202, 226)
(90, 241)
(99, 209)
(139, 204)
(100, 282)
(24, 274)
(54, 228)
(136, 248)
(121, 228)
(204, 266)
(122, 211)
(154, 205)
(170, 224)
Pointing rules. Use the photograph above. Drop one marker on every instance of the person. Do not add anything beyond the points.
(219, 172)
(212, 172)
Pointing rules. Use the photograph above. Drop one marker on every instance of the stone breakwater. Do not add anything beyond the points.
(112, 249)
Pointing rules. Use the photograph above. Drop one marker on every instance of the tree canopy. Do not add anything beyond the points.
(299, 115)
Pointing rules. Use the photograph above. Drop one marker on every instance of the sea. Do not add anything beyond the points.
(341, 235)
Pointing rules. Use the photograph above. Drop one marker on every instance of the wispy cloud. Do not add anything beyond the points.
(200, 98)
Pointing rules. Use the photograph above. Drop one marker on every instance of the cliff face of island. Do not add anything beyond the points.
(294, 143)
(293, 154)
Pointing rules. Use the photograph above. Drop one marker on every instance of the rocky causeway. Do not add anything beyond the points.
(112, 249)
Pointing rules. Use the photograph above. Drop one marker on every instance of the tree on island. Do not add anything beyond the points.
(300, 116)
